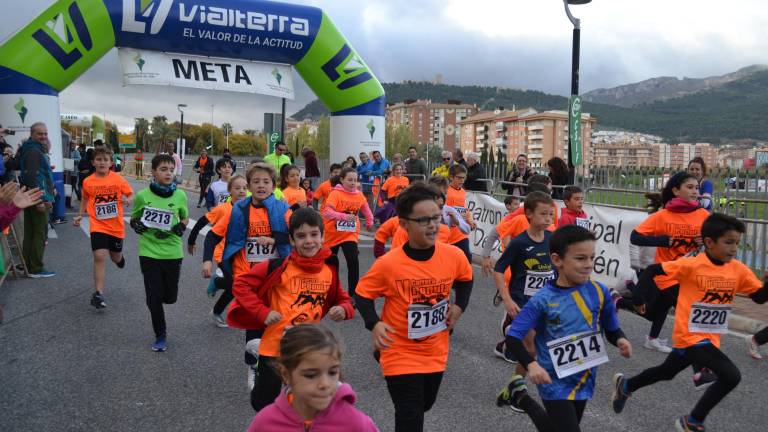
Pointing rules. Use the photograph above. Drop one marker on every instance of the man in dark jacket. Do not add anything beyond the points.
(475, 172)
(415, 166)
(204, 167)
(227, 155)
(311, 170)
(36, 173)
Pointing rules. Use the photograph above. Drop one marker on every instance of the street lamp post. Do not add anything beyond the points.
(181, 150)
(576, 46)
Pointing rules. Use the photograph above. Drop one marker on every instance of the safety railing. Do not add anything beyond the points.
(412, 177)
(372, 190)
(632, 199)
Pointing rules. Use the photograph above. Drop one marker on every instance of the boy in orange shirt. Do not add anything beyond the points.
(103, 195)
(322, 191)
(708, 283)
(456, 197)
(416, 282)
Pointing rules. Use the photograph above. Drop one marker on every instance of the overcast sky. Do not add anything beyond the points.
(513, 43)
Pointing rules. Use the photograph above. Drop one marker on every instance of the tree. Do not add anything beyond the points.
(397, 139)
(321, 143)
(227, 129)
(250, 132)
(160, 131)
(141, 130)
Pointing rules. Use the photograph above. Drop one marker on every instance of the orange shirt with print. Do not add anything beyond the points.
(391, 229)
(394, 185)
(322, 192)
(219, 218)
(343, 202)
(258, 226)
(702, 281)
(404, 282)
(299, 297)
(99, 191)
(294, 195)
(682, 228)
(457, 198)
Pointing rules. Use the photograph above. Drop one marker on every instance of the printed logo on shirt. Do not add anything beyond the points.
(425, 291)
(258, 228)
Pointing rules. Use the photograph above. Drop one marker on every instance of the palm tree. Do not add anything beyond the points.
(160, 131)
(142, 129)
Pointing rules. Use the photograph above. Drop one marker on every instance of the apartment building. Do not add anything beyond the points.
(632, 153)
(435, 124)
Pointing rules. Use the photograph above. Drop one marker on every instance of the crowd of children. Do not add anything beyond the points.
(275, 261)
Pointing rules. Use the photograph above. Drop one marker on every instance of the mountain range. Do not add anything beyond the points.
(715, 109)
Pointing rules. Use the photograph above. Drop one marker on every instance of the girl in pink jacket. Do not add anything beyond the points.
(313, 399)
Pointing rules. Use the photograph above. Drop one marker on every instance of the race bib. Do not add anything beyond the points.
(535, 280)
(573, 354)
(426, 320)
(346, 226)
(157, 218)
(223, 197)
(709, 318)
(106, 210)
(584, 223)
(254, 252)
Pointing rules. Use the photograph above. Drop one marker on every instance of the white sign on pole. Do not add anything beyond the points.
(156, 68)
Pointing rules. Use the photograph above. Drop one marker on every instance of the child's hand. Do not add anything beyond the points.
(191, 249)
(207, 269)
(538, 375)
(76, 220)
(351, 218)
(454, 313)
(640, 309)
(337, 313)
(265, 240)
(487, 266)
(381, 340)
(273, 318)
(512, 308)
(625, 348)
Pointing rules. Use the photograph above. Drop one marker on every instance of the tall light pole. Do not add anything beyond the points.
(576, 46)
(181, 150)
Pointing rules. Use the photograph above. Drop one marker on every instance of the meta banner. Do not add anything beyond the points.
(156, 68)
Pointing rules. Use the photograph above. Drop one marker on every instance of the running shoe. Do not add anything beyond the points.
(753, 348)
(160, 344)
(211, 290)
(657, 344)
(497, 299)
(60, 221)
(511, 394)
(703, 379)
(121, 263)
(615, 297)
(219, 319)
(502, 353)
(619, 397)
(42, 274)
(252, 375)
(683, 425)
(97, 301)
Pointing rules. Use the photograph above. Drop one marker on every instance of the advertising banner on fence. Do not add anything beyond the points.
(612, 227)
(156, 68)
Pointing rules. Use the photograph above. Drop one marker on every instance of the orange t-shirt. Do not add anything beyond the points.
(104, 198)
(299, 297)
(294, 195)
(258, 226)
(343, 202)
(457, 198)
(219, 218)
(681, 227)
(321, 193)
(394, 185)
(702, 281)
(391, 229)
(404, 282)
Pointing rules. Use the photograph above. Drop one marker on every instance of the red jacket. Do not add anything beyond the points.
(568, 217)
(251, 304)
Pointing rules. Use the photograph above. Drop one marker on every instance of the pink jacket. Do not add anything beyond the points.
(340, 416)
(8, 213)
(331, 213)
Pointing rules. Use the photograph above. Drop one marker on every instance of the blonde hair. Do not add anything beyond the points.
(263, 167)
(231, 182)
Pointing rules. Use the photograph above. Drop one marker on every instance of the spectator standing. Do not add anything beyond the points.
(459, 158)
(311, 170)
(36, 173)
(380, 165)
(698, 169)
(558, 172)
(415, 165)
(364, 169)
(475, 172)
(177, 173)
(442, 170)
(10, 164)
(204, 167)
(350, 162)
(520, 173)
(138, 158)
(228, 155)
(278, 158)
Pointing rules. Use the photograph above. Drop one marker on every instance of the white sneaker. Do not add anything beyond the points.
(753, 348)
(220, 320)
(657, 344)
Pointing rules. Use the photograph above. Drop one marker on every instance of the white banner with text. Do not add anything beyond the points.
(157, 68)
(612, 227)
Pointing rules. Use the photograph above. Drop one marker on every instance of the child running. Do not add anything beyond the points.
(571, 315)
(257, 232)
(103, 195)
(413, 331)
(160, 217)
(457, 198)
(342, 225)
(708, 283)
(306, 184)
(282, 293)
(314, 398)
(218, 191)
(573, 213)
(293, 193)
(527, 256)
(321, 194)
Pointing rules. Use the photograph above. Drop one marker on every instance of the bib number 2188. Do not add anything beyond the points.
(426, 320)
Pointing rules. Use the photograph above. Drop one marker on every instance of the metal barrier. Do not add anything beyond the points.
(750, 208)
(415, 177)
(373, 201)
(632, 199)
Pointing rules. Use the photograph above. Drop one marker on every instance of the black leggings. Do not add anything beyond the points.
(761, 337)
(204, 182)
(413, 395)
(161, 286)
(268, 384)
(353, 264)
(224, 284)
(707, 355)
(464, 246)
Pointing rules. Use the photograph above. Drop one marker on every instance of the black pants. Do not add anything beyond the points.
(706, 355)
(761, 337)
(250, 359)
(565, 415)
(413, 395)
(268, 384)
(464, 246)
(657, 309)
(353, 264)
(224, 284)
(204, 182)
(161, 285)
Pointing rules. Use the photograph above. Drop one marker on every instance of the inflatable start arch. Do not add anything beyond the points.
(48, 54)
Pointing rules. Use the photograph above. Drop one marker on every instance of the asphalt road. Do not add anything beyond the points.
(65, 366)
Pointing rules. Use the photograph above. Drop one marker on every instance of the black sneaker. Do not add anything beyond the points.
(619, 397)
(501, 352)
(97, 301)
(511, 394)
(683, 425)
(497, 299)
(703, 379)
